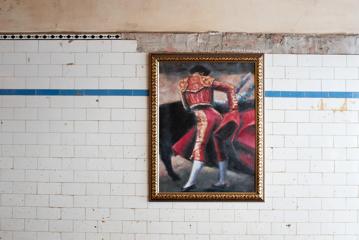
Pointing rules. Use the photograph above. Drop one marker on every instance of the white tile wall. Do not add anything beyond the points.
(75, 167)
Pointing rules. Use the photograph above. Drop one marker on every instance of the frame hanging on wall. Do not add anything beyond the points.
(206, 127)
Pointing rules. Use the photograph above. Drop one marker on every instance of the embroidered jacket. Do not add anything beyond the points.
(197, 90)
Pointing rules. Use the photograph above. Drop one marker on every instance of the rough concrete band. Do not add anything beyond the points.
(276, 43)
(247, 42)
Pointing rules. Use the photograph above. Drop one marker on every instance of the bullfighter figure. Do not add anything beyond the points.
(197, 96)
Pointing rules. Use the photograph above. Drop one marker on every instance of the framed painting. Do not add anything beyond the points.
(206, 123)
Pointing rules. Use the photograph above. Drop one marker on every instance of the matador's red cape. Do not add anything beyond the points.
(237, 127)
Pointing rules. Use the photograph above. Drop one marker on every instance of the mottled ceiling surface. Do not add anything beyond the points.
(273, 16)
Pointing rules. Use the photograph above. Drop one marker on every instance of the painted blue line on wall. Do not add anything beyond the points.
(144, 92)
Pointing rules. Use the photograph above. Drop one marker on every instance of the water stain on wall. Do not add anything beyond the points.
(341, 107)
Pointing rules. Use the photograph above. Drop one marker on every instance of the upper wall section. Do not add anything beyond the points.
(217, 42)
(274, 16)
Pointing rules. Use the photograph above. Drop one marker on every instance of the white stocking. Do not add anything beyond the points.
(222, 165)
(196, 168)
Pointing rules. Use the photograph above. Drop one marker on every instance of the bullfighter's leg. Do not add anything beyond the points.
(222, 163)
(191, 183)
(203, 131)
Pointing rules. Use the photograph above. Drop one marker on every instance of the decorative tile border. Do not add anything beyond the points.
(59, 36)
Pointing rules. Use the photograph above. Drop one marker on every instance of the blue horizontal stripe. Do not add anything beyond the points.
(144, 92)
(75, 92)
(311, 94)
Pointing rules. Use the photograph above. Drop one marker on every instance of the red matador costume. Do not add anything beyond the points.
(197, 95)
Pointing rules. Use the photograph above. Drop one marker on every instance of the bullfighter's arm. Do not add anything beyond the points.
(184, 102)
(229, 90)
(182, 85)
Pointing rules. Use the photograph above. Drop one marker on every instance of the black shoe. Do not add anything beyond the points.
(220, 186)
(187, 189)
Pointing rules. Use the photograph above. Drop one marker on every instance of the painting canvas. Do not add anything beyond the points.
(206, 126)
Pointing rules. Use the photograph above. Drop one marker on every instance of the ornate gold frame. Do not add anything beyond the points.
(154, 194)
